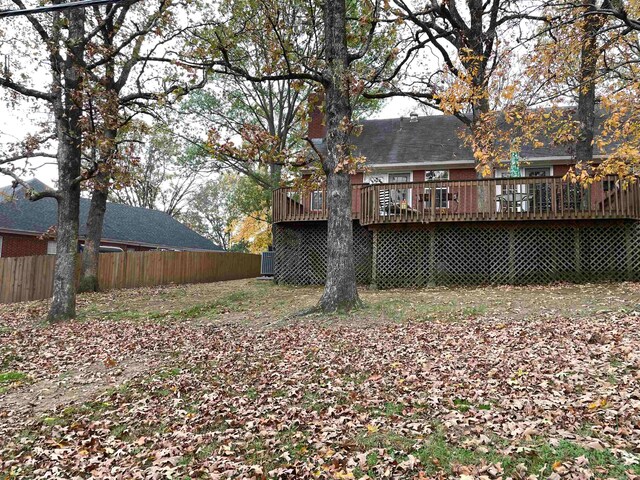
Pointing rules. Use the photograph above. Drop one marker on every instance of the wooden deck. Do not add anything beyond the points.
(493, 199)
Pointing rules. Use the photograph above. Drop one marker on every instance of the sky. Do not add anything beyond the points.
(16, 120)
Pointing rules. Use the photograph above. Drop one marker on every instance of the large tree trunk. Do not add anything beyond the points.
(476, 65)
(63, 305)
(91, 251)
(587, 90)
(68, 112)
(107, 148)
(340, 292)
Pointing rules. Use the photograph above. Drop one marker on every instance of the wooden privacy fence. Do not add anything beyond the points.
(31, 278)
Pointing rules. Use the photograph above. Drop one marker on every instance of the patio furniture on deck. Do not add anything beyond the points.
(513, 201)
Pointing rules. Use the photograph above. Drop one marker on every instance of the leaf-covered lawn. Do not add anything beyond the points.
(219, 381)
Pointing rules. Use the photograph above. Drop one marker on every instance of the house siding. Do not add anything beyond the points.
(561, 170)
(14, 245)
(469, 199)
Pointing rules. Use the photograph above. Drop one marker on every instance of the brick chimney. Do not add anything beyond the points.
(317, 126)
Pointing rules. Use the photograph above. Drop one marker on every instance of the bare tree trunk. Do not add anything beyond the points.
(91, 251)
(95, 216)
(587, 89)
(63, 306)
(68, 112)
(275, 172)
(340, 292)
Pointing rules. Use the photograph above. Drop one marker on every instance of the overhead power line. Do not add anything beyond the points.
(54, 8)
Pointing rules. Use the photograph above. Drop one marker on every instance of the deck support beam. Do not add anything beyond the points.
(512, 256)
(432, 258)
(576, 252)
(374, 260)
(628, 251)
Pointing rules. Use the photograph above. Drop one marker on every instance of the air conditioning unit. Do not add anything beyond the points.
(266, 266)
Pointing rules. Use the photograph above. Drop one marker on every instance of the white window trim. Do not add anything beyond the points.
(446, 197)
(409, 194)
(0, 245)
(427, 191)
(55, 247)
(313, 194)
(523, 170)
(448, 176)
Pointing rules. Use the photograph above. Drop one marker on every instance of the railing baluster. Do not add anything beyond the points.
(461, 200)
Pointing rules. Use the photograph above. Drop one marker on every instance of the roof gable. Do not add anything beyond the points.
(433, 140)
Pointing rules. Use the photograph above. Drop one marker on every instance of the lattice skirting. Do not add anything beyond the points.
(301, 250)
(467, 254)
(534, 253)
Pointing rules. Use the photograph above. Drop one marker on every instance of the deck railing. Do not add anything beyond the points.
(291, 205)
(528, 198)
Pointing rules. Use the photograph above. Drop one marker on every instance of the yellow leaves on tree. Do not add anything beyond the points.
(253, 230)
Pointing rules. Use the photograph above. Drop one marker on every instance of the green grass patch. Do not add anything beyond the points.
(403, 310)
(4, 330)
(232, 302)
(385, 439)
(11, 379)
(438, 455)
(463, 405)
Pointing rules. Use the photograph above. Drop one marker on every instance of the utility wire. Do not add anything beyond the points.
(53, 8)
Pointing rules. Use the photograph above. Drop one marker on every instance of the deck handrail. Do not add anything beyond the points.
(513, 198)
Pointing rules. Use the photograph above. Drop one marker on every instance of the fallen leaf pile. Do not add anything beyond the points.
(475, 398)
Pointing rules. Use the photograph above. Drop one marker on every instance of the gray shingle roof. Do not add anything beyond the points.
(122, 223)
(431, 140)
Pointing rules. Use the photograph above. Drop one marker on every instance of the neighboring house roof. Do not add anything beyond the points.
(430, 140)
(122, 223)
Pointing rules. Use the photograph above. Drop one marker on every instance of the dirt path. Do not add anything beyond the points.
(76, 386)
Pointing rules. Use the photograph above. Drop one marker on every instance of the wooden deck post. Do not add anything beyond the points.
(432, 258)
(628, 250)
(374, 260)
(512, 256)
(576, 252)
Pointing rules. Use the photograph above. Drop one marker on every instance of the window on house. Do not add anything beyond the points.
(400, 196)
(609, 184)
(316, 200)
(0, 245)
(442, 198)
(441, 193)
(436, 175)
(52, 247)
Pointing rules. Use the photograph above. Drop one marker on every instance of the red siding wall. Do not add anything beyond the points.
(355, 199)
(463, 174)
(560, 170)
(418, 176)
(27, 245)
(357, 178)
(467, 195)
(22, 245)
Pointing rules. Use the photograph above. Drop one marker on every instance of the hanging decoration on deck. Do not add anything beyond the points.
(514, 165)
